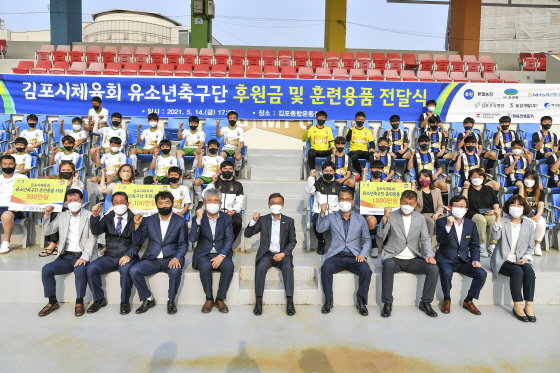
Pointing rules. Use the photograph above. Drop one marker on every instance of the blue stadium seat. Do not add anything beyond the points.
(6, 122)
(108, 203)
(309, 222)
(172, 127)
(132, 131)
(33, 172)
(504, 190)
(79, 169)
(3, 141)
(25, 225)
(210, 132)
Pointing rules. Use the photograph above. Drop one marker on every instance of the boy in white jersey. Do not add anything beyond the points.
(97, 115)
(68, 154)
(182, 197)
(107, 134)
(23, 159)
(211, 164)
(112, 162)
(194, 140)
(234, 141)
(151, 138)
(76, 132)
(33, 136)
(161, 163)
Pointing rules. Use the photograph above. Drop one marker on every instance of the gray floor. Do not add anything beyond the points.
(342, 341)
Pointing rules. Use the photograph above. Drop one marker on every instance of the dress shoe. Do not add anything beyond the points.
(258, 308)
(171, 308)
(207, 307)
(327, 307)
(531, 318)
(471, 307)
(387, 309)
(520, 318)
(49, 308)
(321, 247)
(79, 310)
(426, 307)
(146, 305)
(221, 306)
(290, 309)
(446, 308)
(362, 309)
(96, 306)
(125, 308)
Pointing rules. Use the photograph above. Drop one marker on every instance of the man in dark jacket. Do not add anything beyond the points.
(120, 253)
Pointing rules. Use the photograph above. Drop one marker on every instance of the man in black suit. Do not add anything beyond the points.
(120, 253)
(278, 239)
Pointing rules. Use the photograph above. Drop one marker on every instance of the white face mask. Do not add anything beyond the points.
(212, 208)
(517, 151)
(77, 127)
(345, 206)
(458, 212)
(115, 149)
(153, 124)
(529, 183)
(431, 108)
(406, 209)
(276, 209)
(477, 181)
(74, 206)
(120, 209)
(515, 212)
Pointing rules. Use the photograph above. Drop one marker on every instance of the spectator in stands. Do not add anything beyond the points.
(213, 232)
(68, 154)
(516, 163)
(438, 140)
(33, 136)
(545, 141)
(97, 115)
(320, 137)
(78, 250)
(195, 139)
(107, 134)
(77, 131)
(398, 139)
(161, 163)
(348, 250)
(7, 181)
(429, 202)
(458, 237)
(490, 156)
(151, 137)
(513, 256)
(387, 159)
(120, 253)
(424, 117)
(504, 138)
(232, 195)
(211, 164)
(23, 159)
(277, 241)
(531, 190)
(482, 204)
(181, 194)
(125, 174)
(469, 159)
(342, 163)
(325, 190)
(426, 160)
(409, 249)
(233, 143)
(553, 163)
(359, 138)
(167, 246)
(112, 162)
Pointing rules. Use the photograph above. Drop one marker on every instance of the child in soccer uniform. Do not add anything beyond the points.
(469, 159)
(211, 166)
(359, 138)
(424, 159)
(107, 133)
(516, 164)
(151, 138)
(343, 165)
(398, 139)
(468, 124)
(377, 169)
(233, 142)
(97, 115)
(112, 162)
(77, 132)
(33, 136)
(553, 163)
(320, 139)
(438, 140)
(504, 138)
(161, 164)
(23, 159)
(195, 138)
(181, 194)
(545, 141)
(68, 154)
(387, 159)
(431, 106)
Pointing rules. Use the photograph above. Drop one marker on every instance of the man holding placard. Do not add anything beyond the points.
(7, 180)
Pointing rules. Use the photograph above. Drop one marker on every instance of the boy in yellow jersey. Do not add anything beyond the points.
(359, 138)
(161, 163)
(211, 166)
(320, 137)
(182, 200)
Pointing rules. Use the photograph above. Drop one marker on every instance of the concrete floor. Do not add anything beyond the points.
(342, 341)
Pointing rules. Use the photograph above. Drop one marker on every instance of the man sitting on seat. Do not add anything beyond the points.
(320, 137)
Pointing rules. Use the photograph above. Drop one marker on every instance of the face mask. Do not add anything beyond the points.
(320, 121)
(232, 122)
(227, 174)
(8, 170)
(165, 151)
(529, 183)
(95, 107)
(546, 126)
(382, 148)
(359, 124)
(476, 182)
(20, 150)
(345, 206)
(505, 128)
(468, 128)
(431, 108)
(395, 125)
(77, 127)
(173, 180)
(213, 150)
(470, 148)
(212, 208)
(328, 177)
(425, 182)
(125, 175)
(458, 212)
(74, 206)
(434, 128)
(66, 175)
(517, 151)
(406, 209)
(424, 146)
(193, 128)
(115, 123)
(340, 149)
(376, 174)
(164, 211)
(69, 148)
(516, 212)
(276, 209)
(32, 125)
(153, 124)
(115, 149)
(120, 209)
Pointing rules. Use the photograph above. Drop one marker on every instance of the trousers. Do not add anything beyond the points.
(346, 261)
(520, 277)
(107, 264)
(206, 270)
(446, 271)
(147, 267)
(417, 266)
(60, 266)
(285, 266)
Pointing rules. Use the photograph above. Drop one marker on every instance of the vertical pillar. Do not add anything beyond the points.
(66, 21)
(464, 28)
(201, 27)
(335, 25)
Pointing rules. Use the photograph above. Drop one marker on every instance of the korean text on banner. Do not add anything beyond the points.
(35, 194)
(141, 197)
(374, 197)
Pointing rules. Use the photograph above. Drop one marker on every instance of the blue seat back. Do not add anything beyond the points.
(311, 202)
(172, 127)
(3, 141)
(108, 203)
(555, 201)
(386, 126)
(153, 172)
(41, 125)
(529, 129)
(34, 163)
(3, 119)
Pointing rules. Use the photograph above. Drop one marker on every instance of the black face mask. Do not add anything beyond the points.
(359, 124)
(382, 148)
(546, 126)
(20, 150)
(69, 148)
(213, 150)
(505, 128)
(173, 180)
(165, 151)
(115, 123)
(32, 125)
(340, 149)
(193, 128)
(164, 211)
(232, 122)
(328, 177)
(227, 174)
(8, 170)
(395, 125)
(320, 121)
(95, 107)
(468, 128)
(66, 175)
(424, 146)
(434, 128)
(470, 148)
(376, 174)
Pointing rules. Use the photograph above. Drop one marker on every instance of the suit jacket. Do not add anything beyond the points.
(449, 246)
(222, 241)
(357, 230)
(436, 197)
(116, 245)
(503, 235)
(398, 240)
(173, 245)
(264, 226)
(88, 241)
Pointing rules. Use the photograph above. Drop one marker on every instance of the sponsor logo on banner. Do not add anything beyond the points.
(469, 94)
(510, 92)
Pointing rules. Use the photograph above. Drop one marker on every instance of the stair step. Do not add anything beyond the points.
(260, 203)
(276, 173)
(247, 273)
(274, 160)
(267, 187)
(279, 285)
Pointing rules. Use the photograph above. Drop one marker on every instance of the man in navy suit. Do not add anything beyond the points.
(167, 246)
(457, 236)
(213, 231)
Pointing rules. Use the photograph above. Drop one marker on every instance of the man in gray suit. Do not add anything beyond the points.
(409, 249)
(348, 229)
(78, 249)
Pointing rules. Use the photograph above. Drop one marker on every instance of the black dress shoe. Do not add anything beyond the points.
(362, 309)
(290, 309)
(386, 311)
(171, 308)
(520, 318)
(327, 307)
(531, 318)
(258, 308)
(146, 305)
(96, 306)
(426, 307)
(321, 247)
(125, 308)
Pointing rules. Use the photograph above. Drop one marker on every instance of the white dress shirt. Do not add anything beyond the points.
(406, 253)
(73, 237)
(213, 229)
(458, 229)
(163, 224)
(124, 220)
(274, 234)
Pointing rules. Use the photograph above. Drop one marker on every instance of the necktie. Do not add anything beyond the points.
(119, 226)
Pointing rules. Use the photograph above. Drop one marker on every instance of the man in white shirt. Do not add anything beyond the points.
(7, 181)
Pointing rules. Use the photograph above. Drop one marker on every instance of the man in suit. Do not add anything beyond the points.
(167, 246)
(120, 254)
(278, 239)
(457, 236)
(78, 245)
(408, 249)
(348, 230)
(213, 231)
